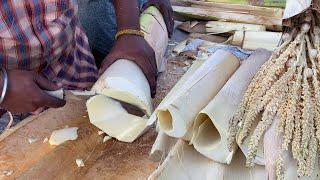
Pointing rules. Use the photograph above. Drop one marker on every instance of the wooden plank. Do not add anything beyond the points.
(267, 3)
(208, 37)
(207, 14)
(102, 160)
(15, 151)
(254, 10)
(200, 27)
(110, 160)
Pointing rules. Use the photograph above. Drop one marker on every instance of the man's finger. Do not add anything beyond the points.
(45, 84)
(52, 102)
(38, 111)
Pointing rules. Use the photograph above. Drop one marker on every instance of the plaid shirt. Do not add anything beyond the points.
(45, 36)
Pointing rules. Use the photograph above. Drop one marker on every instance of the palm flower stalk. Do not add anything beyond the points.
(287, 86)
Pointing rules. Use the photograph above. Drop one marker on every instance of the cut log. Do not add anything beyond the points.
(177, 113)
(210, 129)
(125, 81)
(255, 40)
(224, 27)
(184, 162)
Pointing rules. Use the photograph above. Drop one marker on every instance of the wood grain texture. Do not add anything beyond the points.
(208, 14)
(111, 160)
(15, 151)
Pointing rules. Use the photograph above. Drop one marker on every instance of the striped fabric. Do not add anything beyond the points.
(45, 36)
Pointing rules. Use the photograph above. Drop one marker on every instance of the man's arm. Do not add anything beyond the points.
(127, 14)
(132, 47)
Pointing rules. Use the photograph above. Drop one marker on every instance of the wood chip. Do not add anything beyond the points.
(7, 172)
(60, 136)
(32, 140)
(79, 163)
(45, 140)
(100, 133)
(106, 138)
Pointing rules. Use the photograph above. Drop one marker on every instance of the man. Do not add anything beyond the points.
(43, 46)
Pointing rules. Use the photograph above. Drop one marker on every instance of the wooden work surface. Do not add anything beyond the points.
(38, 160)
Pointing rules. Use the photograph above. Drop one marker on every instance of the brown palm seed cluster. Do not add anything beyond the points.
(286, 87)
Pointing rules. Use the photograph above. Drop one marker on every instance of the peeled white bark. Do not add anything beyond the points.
(184, 162)
(109, 116)
(177, 113)
(175, 90)
(210, 129)
(272, 150)
(161, 147)
(152, 23)
(164, 143)
(125, 81)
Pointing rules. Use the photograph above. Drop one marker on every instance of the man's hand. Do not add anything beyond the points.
(25, 92)
(165, 8)
(137, 49)
(134, 47)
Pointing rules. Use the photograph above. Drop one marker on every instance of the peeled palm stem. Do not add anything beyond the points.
(177, 114)
(125, 82)
(210, 128)
(286, 86)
